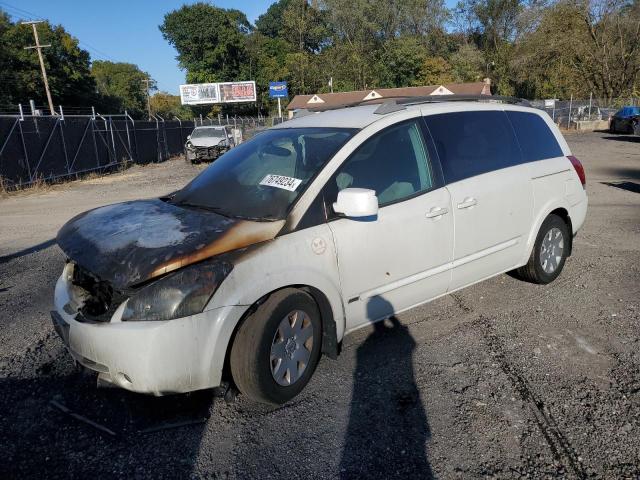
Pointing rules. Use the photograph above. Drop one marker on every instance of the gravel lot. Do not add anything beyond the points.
(504, 379)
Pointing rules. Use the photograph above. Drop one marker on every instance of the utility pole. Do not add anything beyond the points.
(146, 82)
(39, 48)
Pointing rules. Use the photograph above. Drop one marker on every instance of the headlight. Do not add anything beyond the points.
(189, 144)
(222, 143)
(180, 294)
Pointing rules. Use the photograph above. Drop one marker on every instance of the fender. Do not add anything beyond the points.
(304, 259)
(543, 213)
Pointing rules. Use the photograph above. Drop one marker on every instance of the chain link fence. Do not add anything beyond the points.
(568, 113)
(248, 126)
(47, 148)
(35, 148)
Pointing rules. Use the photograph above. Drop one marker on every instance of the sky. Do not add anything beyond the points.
(123, 31)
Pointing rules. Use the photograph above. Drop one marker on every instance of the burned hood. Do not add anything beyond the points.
(131, 242)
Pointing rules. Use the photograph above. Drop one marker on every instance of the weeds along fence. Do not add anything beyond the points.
(48, 148)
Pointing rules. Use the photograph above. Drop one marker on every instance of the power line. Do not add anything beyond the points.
(90, 47)
(22, 11)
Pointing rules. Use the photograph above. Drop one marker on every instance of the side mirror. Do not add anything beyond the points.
(188, 137)
(356, 202)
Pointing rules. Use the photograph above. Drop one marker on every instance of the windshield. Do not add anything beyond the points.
(207, 132)
(263, 177)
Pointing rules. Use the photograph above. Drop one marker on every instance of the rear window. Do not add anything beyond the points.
(536, 140)
(473, 143)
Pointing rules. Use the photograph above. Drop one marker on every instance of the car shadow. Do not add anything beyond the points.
(621, 173)
(28, 251)
(628, 186)
(388, 429)
(624, 138)
(59, 423)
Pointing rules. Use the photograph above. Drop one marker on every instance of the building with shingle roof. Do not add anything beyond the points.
(323, 101)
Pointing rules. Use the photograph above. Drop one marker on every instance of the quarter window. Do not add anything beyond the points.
(394, 163)
(535, 139)
(473, 143)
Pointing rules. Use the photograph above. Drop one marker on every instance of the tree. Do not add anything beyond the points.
(210, 41)
(467, 64)
(304, 26)
(609, 58)
(580, 47)
(402, 62)
(169, 106)
(68, 66)
(435, 71)
(122, 87)
(269, 23)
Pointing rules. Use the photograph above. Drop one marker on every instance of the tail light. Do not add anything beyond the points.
(579, 169)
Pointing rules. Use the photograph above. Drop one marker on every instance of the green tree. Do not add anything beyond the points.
(304, 26)
(467, 64)
(169, 106)
(435, 71)
(580, 47)
(402, 61)
(68, 66)
(122, 87)
(269, 23)
(211, 41)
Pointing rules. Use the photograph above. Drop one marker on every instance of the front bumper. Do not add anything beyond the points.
(159, 358)
(205, 153)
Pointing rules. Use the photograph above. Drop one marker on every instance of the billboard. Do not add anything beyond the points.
(231, 92)
(200, 93)
(278, 90)
(225, 92)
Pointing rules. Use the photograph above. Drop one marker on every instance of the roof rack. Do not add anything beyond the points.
(398, 102)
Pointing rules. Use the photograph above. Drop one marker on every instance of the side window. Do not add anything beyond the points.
(394, 163)
(536, 141)
(473, 143)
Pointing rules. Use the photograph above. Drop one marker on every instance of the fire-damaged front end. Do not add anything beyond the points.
(131, 303)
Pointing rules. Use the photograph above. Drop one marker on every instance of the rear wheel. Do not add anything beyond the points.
(277, 347)
(549, 252)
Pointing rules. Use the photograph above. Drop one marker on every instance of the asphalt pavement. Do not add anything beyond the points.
(503, 379)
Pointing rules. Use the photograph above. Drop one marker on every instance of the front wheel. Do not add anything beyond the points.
(549, 254)
(277, 347)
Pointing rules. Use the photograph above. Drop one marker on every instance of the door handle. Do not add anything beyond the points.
(436, 212)
(467, 202)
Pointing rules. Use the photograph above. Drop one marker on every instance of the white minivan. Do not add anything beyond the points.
(309, 231)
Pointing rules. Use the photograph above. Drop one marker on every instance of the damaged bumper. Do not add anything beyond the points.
(159, 358)
(205, 153)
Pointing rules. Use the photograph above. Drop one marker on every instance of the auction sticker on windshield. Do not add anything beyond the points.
(280, 181)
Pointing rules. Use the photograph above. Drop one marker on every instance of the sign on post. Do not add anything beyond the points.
(225, 92)
(278, 90)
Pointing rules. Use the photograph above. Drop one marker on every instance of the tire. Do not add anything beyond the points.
(268, 363)
(544, 265)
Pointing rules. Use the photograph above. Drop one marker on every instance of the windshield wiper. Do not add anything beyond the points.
(203, 207)
(219, 211)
